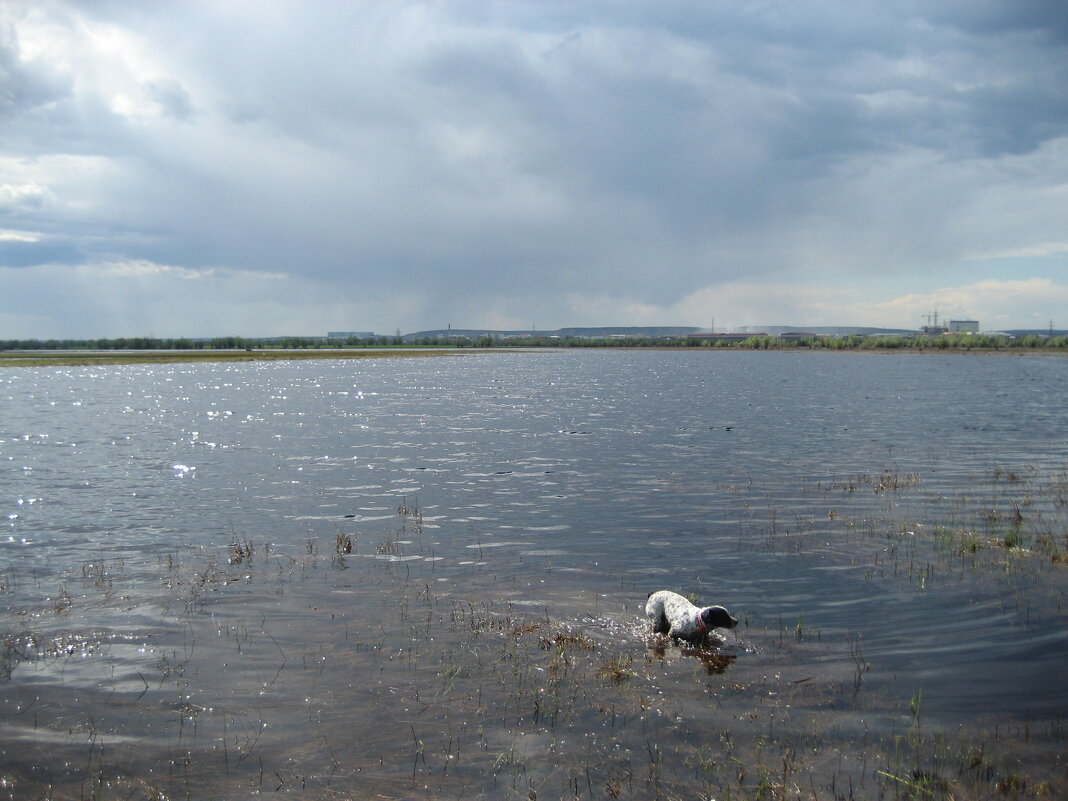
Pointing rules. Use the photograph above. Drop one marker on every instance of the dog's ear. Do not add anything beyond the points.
(716, 617)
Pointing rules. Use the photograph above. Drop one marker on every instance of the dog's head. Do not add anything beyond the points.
(716, 617)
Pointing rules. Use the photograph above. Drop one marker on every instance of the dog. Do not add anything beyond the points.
(678, 618)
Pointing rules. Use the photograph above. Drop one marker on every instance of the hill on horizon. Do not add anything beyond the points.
(653, 331)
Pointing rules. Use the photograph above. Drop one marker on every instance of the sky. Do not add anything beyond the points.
(268, 168)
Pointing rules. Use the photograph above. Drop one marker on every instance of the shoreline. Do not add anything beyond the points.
(887, 351)
(33, 358)
(78, 359)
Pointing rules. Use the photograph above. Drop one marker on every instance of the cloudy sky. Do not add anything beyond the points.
(270, 168)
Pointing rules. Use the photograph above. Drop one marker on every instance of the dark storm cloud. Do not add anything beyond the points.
(544, 153)
(172, 98)
(24, 87)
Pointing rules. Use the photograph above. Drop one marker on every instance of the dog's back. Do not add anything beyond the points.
(659, 605)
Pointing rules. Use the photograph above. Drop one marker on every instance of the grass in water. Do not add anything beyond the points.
(325, 671)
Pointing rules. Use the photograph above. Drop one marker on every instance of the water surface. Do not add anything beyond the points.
(171, 536)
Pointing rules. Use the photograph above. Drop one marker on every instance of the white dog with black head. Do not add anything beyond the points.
(674, 615)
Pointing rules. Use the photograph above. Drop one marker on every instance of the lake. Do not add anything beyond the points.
(424, 578)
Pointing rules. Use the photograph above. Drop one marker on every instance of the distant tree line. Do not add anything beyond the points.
(764, 342)
(217, 343)
(961, 342)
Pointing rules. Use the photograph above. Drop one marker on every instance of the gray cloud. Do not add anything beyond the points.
(172, 97)
(499, 159)
(25, 87)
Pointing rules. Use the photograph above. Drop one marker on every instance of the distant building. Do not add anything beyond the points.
(350, 335)
(725, 337)
(964, 326)
(933, 329)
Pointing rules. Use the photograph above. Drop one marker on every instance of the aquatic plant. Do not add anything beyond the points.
(264, 657)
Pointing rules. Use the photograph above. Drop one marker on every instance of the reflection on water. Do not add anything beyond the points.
(424, 578)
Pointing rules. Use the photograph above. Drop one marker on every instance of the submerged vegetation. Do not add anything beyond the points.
(367, 665)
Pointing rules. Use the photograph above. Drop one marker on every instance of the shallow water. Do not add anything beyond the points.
(171, 584)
